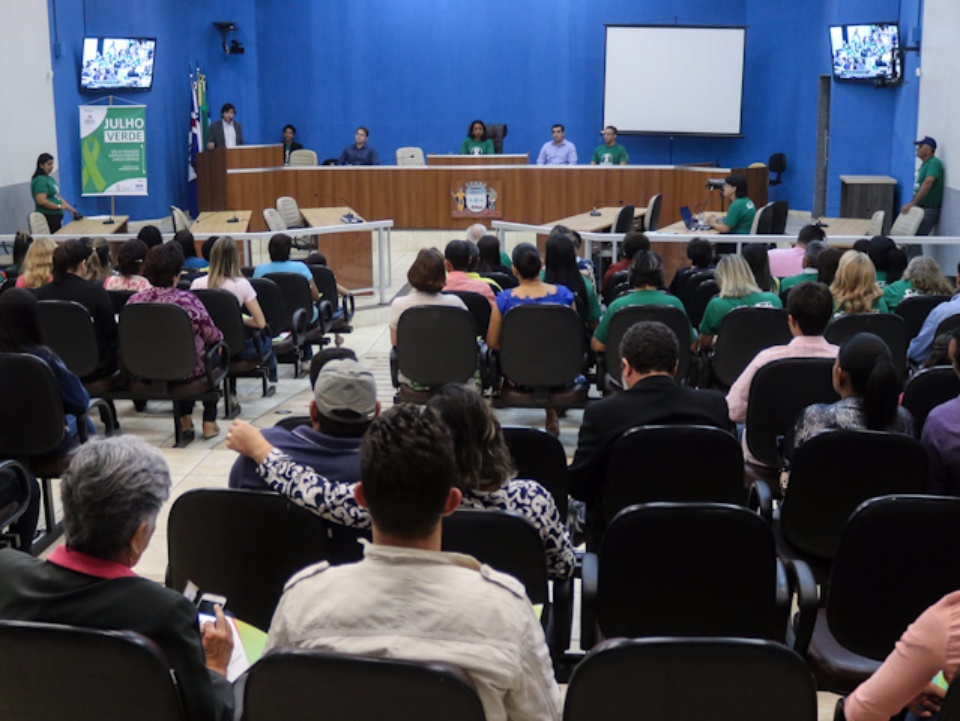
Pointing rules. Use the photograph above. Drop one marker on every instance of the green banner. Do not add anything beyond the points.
(113, 149)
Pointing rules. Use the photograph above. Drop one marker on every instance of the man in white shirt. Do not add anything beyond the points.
(407, 599)
(225, 133)
(558, 151)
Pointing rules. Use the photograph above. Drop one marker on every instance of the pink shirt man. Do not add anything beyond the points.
(459, 280)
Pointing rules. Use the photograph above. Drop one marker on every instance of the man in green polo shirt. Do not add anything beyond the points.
(928, 186)
(609, 153)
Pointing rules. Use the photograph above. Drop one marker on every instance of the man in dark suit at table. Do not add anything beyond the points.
(650, 356)
(289, 144)
(225, 133)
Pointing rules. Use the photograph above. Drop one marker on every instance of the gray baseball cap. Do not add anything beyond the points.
(346, 392)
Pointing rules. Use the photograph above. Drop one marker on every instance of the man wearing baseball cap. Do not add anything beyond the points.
(928, 186)
(343, 406)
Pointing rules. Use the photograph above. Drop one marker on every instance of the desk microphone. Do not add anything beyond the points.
(596, 203)
(821, 224)
(109, 221)
(234, 219)
(349, 216)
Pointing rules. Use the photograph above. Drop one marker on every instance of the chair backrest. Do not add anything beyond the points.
(224, 311)
(876, 223)
(743, 333)
(156, 342)
(762, 220)
(496, 132)
(778, 393)
(504, 280)
(273, 219)
(651, 219)
(410, 155)
(888, 326)
(907, 223)
(915, 309)
(681, 463)
(625, 318)
(271, 303)
(947, 325)
(32, 419)
(928, 389)
(624, 219)
(703, 287)
(505, 541)
(326, 283)
(49, 671)
(284, 684)
(295, 294)
(119, 298)
(181, 221)
(897, 557)
(303, 157)
(38, 224)
(834, 472)
(658, 560)
(242, 544)
(478, 306)
(540, 457)
(777, 164)
(67, 329)
(612, 288)
(436, 345)
(17, 492)
(779, 215)
(642, 678)
(542, 345)
(289, 211)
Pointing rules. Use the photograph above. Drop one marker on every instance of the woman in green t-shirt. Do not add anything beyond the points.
(474, 144)
(46, 194)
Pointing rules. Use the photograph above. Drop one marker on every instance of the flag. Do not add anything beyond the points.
(196, 140)
(204, 110)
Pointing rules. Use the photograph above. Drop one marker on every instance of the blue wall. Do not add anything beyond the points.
(417, 72)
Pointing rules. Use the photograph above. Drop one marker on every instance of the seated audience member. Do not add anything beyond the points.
(162, 268)
(785, 262)
(562, 268)
(939, 352)
(633, 242)
(474, 143)
(279, 249)
(21, 244)
(289, 144)
(189, 247)
(827, 264)
(407, 599)
(491, 258)
(359, 153)
(37, 265)
(810, 307)
(926, 648)
(344, 402)
(919, 349)
(756, 256)
(646, 277)
(477, 231)
(99, 264)
(585, 265)
(112, 494)
(868, 384)
(457, 263)
(69, 264)
(888, 260)
(941, 436)
(809, 274)
(737, 288)
(855, 288)
(150, 234)
(739, 217)
(129, 266)
(700, 253)
(650, 356)
(922, 277)
(207, 247)
(427, 276)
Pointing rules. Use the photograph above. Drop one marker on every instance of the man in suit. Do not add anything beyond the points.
(650, 356)
(289, 144)
(225, 133)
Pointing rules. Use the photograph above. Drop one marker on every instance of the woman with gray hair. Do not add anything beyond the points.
(112, 493)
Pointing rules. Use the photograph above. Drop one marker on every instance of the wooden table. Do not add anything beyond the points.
(221, 222)
(595, 220)
(94, 225)
(834, 227)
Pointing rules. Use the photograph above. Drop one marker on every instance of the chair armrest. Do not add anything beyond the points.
(761, 500)
(562, 613)
(348, 306)
(299, 323)
(216, 362)
(601, 371)
(24, 492)
(588, 601)
(782, 600)
(106, 417)
(325, 314)
(491, 362)
(482, 352)
(394, 370)
(803, 583)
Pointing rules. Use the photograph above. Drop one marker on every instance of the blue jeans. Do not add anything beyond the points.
(251, 352)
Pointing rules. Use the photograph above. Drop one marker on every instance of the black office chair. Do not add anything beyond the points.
(777, 164)
(478, 306)
(435, 345)
(890, 327)
(540, 457)
(242, 544)
(927, 389)
(119, 298)
(778, 219)
(326, 283)
(624, 220)
(651, 219)
(288, 332)
(496, 132)
(704, 289)
(743, 333)
(295, 292)
(947, 325)
(17, 494)
(691, 679)
(915, 309)
(504, 280)
(281, 686)
(49, 671)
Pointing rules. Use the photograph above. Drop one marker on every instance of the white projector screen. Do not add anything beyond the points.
(672, 80)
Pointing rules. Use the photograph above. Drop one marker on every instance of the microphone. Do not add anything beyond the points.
(109, 221)
(596, 212)
(349, 216)
(234, 219)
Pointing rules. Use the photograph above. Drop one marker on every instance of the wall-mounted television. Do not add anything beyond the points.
(117, 63)
(867, 52)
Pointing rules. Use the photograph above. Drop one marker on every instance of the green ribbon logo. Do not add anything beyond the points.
(91, 173)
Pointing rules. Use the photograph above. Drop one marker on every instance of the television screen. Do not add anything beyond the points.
(117, 63)
(866, 52)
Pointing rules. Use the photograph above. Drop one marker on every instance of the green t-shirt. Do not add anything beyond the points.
(719, 307)
(811, 276)
(609, 155)
(46, 184)
(894, 293)
(505, 260)
(931, 168)
(739, 216)
(469, 146)
(638, 297)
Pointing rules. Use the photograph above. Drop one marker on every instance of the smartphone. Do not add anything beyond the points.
(205, 604)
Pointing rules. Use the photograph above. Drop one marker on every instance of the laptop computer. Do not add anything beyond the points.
(691, 221)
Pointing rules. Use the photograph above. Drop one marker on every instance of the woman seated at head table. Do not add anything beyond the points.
(474, 144)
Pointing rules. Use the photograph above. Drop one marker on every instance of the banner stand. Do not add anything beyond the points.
(113, 148)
